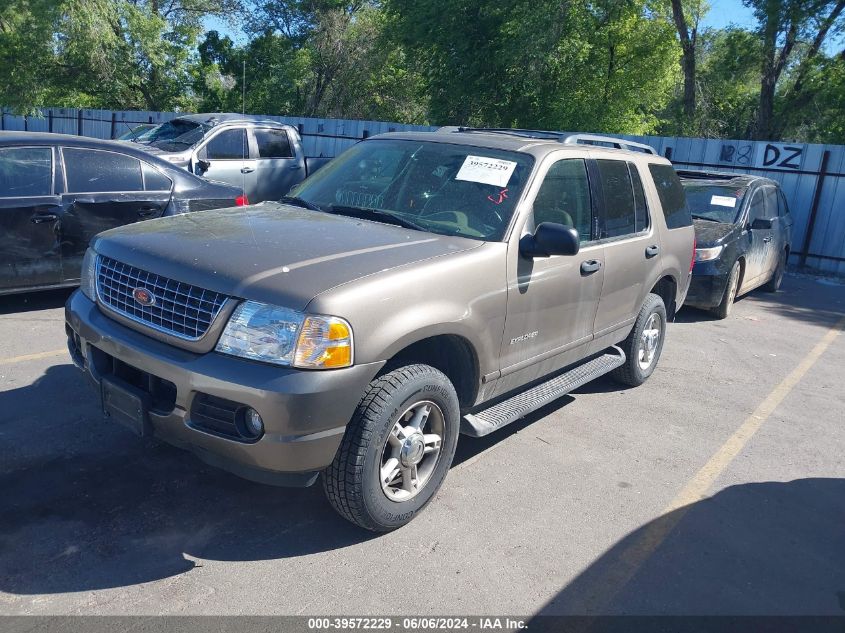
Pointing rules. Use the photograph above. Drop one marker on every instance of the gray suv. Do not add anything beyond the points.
(264, 158)
(421, 286)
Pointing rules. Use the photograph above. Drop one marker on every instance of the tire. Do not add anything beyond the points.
(382, 429)
(723, 310)
(773, 285)
(640, 347)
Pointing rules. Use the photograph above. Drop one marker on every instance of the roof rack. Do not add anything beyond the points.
(561, 137)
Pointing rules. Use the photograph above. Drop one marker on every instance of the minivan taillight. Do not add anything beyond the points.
(692, 261)
(241, 201)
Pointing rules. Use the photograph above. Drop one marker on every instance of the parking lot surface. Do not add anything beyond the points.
(718, 487)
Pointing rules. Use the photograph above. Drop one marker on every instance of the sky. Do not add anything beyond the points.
(726, 12)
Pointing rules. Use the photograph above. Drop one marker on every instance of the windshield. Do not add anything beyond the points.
(717, 203)
(137, 133)
(437, 187)
(177, 135)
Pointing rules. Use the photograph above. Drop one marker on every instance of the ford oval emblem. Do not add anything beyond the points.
(144, 297)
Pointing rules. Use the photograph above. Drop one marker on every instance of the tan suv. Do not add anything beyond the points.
(420, 286)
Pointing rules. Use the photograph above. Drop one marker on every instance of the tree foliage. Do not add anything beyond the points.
(625, 66)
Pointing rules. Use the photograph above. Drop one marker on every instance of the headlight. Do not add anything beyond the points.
(282, 336)
(88, 279)
(707, 254)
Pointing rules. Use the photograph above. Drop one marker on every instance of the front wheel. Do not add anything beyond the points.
(397, 449)
(723, 310)
(645, 342)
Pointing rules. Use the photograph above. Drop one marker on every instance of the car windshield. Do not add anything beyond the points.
(138, 133)
(438, 187)
(177, 135)
(717, 203)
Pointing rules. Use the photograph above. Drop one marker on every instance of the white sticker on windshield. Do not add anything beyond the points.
(488, 171)
(723, 201)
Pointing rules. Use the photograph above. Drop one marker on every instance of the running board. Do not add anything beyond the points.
(519, 405)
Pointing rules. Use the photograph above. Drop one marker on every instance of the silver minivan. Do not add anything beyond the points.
(264, 158)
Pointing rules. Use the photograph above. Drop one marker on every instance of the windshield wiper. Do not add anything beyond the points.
(375, 214)
(300, 202)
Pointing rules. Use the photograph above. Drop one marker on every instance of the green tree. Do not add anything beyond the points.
(789, 29)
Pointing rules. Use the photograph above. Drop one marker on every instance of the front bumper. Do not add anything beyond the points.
(305, 412)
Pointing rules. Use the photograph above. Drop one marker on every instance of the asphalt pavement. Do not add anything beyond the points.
(718, 487)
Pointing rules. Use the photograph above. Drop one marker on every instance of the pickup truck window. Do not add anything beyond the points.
(444, 188)
(227, 145)
(273, 144)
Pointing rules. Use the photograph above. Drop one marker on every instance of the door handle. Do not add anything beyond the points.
(590, 266)
(43, 217)
(295, 167)
(652, 250)
(148, 212)
(767, 239)
(247, 170)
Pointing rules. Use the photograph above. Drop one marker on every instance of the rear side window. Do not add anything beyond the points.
(228, 145)
(154, 180)
(620, 212)
(26, 172)
(641, 220)
(91, 171)
(273, 144)
(671, 194)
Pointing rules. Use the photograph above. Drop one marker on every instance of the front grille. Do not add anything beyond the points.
(179, 309)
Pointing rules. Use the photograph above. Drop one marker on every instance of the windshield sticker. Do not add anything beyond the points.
(487, 171)
(723, 201)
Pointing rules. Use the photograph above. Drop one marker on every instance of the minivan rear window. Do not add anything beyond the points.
(671, 194)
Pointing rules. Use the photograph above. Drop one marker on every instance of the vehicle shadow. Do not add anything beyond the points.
(87, 505)
(32, 301)
(771, 548)
(800, 298)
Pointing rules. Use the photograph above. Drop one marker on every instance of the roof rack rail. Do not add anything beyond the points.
(596, 139)
(567, 138)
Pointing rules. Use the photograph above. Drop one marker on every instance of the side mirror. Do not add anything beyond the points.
(550, 239)
(762, 223)
(201, 167)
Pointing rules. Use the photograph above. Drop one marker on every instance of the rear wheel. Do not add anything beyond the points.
(726, 305)
(645, 342)
(397, 449)
(773, 285)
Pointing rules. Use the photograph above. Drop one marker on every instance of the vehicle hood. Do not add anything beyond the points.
(709, 234)
(270, 252)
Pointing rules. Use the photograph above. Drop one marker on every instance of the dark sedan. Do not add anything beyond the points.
(743, 232)
(58, 191)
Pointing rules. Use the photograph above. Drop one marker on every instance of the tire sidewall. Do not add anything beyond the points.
(729, 298)
(433, 386)
(653, 306)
